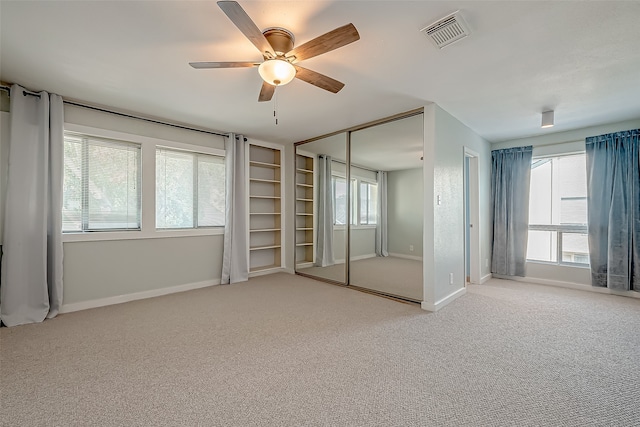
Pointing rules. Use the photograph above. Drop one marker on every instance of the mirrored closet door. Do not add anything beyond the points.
(387, 198)
(321, 198)
(359, 207)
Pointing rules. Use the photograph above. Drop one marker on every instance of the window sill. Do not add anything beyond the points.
(354, 227)
(136, 235)
(363, 227)
(556, 264)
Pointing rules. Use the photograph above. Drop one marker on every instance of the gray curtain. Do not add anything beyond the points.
(613, 205)
(510, 176)
(31, 282)
(235, 265)
(381, 223)
(324, 241)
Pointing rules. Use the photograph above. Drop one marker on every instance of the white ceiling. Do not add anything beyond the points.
(579, 58)
(390, 146)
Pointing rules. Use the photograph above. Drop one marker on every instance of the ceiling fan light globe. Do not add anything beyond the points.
(277, 72)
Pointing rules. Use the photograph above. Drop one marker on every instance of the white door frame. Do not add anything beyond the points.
(474, 216)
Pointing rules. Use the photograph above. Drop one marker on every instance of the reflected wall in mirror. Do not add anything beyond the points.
(321, 208)
(387, 205)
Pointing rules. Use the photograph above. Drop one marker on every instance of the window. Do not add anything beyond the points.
(101, 184)
(189, 189)
(558, 210)
(340, 200)
(368, 203)
(364, 194)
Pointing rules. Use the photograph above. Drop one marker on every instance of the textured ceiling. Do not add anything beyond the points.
(579, 58)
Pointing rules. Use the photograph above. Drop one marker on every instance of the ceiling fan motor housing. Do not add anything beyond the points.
(280, 39)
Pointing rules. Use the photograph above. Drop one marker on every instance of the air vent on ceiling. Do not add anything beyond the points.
(447, 30)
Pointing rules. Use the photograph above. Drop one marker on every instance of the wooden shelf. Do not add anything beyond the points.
(304, 264)
(269, 181)
(263, 247)
(264, 268)
(304, 253)
(265, 207)
(264, 165)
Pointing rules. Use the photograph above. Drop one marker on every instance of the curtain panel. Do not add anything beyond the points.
(324, 244)
(235, 265)
(613, 206)
(31, 282)
(381, 223)
(510, 177)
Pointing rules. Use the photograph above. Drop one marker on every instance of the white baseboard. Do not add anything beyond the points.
(444, 301)
(484, 279)
(413, 257)
(569, 285)
(365, 256)
(119, 299)
(355, 258)
(266, 271)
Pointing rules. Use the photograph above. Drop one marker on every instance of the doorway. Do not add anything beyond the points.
(471, 218)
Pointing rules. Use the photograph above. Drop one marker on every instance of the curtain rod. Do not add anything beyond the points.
(352, 164)
(24, 92)
(146, 119)
(130, 116)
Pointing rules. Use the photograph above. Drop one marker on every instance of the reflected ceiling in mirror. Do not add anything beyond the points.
(389, 146)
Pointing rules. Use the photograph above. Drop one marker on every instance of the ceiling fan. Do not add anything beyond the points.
(280, 57)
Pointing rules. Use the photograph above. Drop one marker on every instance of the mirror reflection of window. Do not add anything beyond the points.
(368, 203)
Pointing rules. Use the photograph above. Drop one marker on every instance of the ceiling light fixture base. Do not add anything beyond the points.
(547, 119)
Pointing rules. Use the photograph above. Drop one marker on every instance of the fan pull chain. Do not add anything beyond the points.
(275, 106)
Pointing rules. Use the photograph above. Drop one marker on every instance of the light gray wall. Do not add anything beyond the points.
(97, 119)
(363, 243)
(561, 143)
(94, 270)
(405, 200)
(569, 136)
(445, 139)
(104, 269)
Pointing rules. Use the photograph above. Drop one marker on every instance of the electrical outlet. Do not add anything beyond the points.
(451, 278)
(410, 248)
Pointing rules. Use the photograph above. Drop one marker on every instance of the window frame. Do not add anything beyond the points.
(334, 177)
(148, 228)
(355, 201)
(84, 147)
(195, 155)
(361, 181)
(559, 229)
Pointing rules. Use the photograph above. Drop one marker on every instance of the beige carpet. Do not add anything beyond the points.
(392, 275)
(283, 350)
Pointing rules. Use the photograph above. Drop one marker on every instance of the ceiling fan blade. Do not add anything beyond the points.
(266, 92)
(325, 43)
(317, 79)
(223, 64)
(239, 17)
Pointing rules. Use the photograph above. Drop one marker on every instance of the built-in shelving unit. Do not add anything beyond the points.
(304, 210)
(265, 209)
